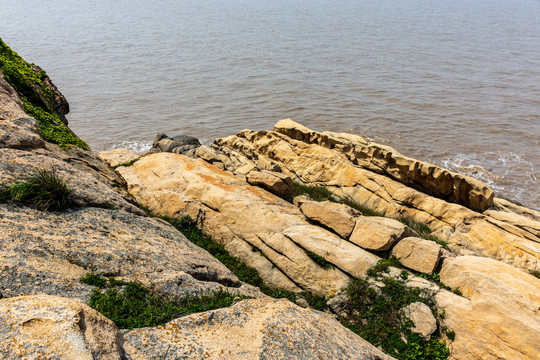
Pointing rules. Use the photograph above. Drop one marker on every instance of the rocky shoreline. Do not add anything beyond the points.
(322, 220)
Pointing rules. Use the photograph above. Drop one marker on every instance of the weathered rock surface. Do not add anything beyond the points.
(382, 159)
(243, 218)
(117, 157)
(338, 217)
(499, 315)
(87, 188)
(379, 233)
(51, 327)
(277, 183)
(466, 230)
(422, 317)
(418, 254)
(47, 252)
(17, 130)
(254, 329)
(181, 144)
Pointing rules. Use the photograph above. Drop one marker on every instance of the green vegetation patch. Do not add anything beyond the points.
(43, 190)
(130, 305)
(37, 97)
(535, 273)
(375, 314)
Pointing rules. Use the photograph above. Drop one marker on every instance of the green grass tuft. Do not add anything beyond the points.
(94, 280)
(364, 210)
(319, 260)
(383, 265)
(535, 273)
(316, 193)
(44, 191)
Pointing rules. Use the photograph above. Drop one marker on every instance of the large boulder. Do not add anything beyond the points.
(180, 144)
(379, 233)
(418, 254)
(424, 322)
(498, 315)
(261, 229)
(254, 329)
(52, 327)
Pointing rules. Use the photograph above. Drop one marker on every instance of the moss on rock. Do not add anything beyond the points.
(40, 98)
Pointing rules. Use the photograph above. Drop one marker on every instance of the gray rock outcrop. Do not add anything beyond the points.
(254, 329)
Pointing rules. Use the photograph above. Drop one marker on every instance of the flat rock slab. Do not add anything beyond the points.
(418, 254)
(338, 217)
(48, 252)
(52, 327)
(254, 329)
(498, 316)
(277, 183)
(117, 157)
(379, 233)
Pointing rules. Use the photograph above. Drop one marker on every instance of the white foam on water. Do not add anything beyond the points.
(139, 147)
(508, 174)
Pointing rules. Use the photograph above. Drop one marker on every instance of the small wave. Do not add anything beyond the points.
(139, 147)
(508, 174)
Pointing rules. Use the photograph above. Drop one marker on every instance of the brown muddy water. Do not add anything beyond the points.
(456, 83)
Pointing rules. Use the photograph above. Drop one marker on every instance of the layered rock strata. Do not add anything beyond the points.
(263, 230)
(428, 178)
(506, 236)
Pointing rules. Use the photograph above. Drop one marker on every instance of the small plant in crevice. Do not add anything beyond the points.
(423, 230)
(535, 273)
(128, 163)
(43, 190)
(363, 209)
(131, 305)
(383, 266)
(319, 260)
(316, 193)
